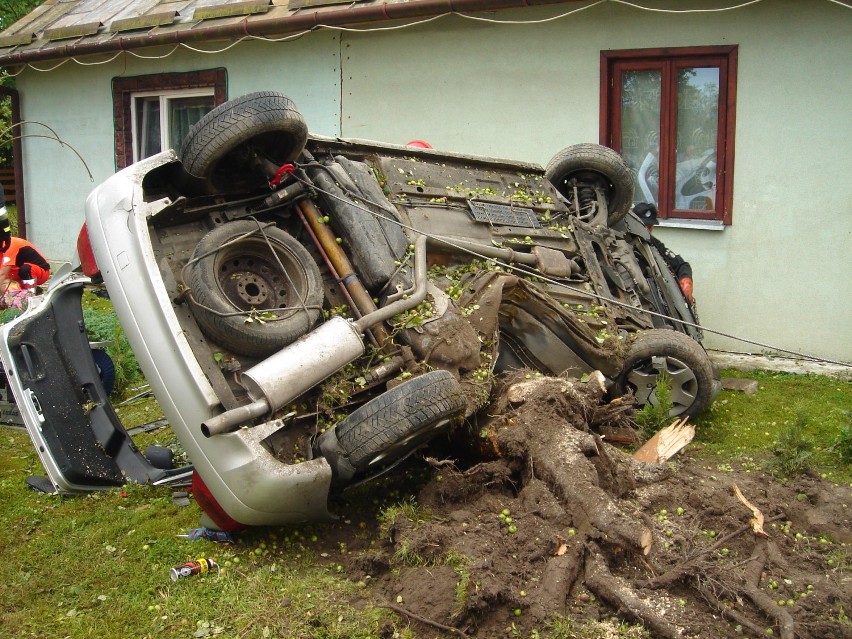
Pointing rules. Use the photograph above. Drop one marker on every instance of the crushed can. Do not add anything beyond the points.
(191, 568)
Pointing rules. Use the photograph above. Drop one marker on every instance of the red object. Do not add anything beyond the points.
(193, 568)
(284, 169)
(24, 264)
(686, 287)
(420, 144)
(209, 505)
(87, 258)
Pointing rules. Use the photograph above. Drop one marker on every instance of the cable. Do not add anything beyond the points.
(406, 25)
(554, 282)
(715, 10)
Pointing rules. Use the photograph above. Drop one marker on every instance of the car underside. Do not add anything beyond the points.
(309, 311)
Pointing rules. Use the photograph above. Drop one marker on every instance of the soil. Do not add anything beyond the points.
(547, 520)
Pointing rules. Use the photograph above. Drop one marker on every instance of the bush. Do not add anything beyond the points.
(843, 441)
(792, 450)
(653, 417)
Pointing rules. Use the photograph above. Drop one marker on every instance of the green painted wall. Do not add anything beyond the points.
(779, 275)
(76, 102)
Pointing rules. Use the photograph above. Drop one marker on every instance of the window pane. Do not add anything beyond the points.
(148, 126)
(640, 130)
(183, 113)
(697, 129)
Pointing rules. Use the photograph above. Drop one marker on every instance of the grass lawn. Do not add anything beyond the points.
(98, 565)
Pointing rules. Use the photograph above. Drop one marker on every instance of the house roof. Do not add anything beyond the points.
(60, 29)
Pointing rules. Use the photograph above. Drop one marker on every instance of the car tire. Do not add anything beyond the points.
(159, 456)
(394, 424)
(106, 369)
(687, 364)
(220, 147)
(236, 277)
(596, 165)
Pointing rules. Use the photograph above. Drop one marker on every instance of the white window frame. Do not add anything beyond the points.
(165, 96)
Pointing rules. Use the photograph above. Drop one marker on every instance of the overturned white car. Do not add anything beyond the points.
(308, 311)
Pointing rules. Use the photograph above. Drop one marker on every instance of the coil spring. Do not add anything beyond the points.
(586, 196)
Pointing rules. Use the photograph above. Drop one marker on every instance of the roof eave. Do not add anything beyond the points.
(266, 27)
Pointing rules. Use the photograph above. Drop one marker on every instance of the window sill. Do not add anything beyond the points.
(702, 225)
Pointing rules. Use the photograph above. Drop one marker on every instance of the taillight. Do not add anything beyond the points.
(208, 503)
(87, 258)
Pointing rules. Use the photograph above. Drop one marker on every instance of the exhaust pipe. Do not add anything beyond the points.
(298, 367)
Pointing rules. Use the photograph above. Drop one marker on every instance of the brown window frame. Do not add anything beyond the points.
(124, 87)
(668, 61)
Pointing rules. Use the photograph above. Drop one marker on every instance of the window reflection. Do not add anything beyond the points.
(640, 130)
(697, 133)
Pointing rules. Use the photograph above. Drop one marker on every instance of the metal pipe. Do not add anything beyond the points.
(385, 369)
(343, 290)
(230, 420)
(296, 368)
(419, 294)
(487, 250)
(345, 271)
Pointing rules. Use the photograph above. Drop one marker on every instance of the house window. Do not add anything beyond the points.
(154, 112)
(670, 113)
(162, 120)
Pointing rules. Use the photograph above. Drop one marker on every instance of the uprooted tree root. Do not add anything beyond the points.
(555, 525)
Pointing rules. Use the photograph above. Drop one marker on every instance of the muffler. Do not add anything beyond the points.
(298, 367)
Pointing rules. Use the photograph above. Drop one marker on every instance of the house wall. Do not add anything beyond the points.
(57, 182)
(779, 275)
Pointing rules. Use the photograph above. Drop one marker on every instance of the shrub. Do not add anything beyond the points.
(652, 417)
(843, 441)
(792, 450)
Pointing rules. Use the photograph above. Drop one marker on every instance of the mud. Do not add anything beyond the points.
(531, 516)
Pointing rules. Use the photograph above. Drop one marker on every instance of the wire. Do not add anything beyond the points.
(715, 10)
(554, 282)
(406, 25)
(54, 137)
(467, 16)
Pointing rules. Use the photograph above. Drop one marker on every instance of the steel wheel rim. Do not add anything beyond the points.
(250, 278)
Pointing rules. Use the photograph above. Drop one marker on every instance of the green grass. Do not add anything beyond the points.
(98, 565)
(786, 410)
(12, 212)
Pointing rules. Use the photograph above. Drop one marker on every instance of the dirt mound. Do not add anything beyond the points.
(558, 523)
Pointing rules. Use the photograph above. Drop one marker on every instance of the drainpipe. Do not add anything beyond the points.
(260, 26)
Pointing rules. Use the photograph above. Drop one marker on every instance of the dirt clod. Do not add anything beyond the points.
(555, 522)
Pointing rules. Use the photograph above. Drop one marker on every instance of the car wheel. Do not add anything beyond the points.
(223, 148)
(592, 165)
(159, 456)
(253, 291)
(393, 424)
(681, 357)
